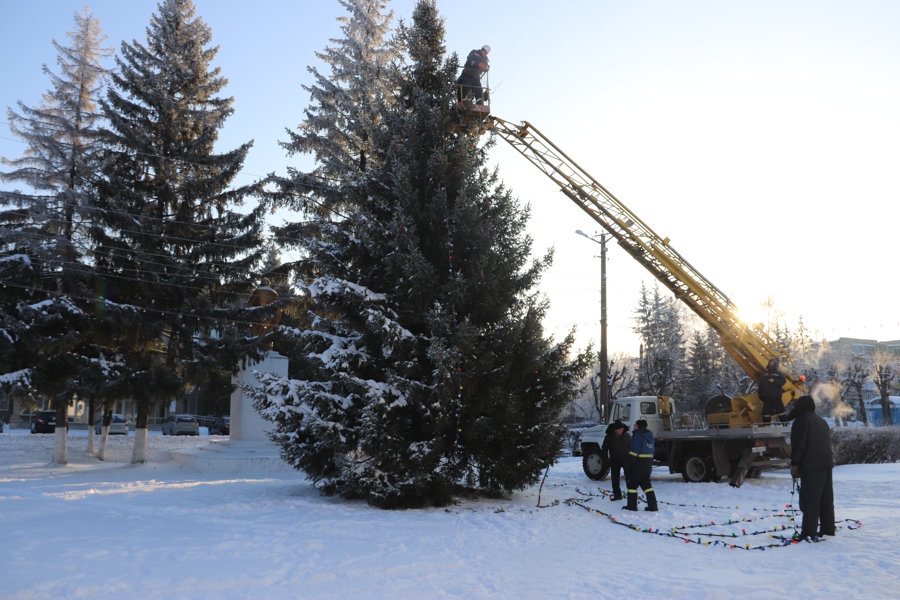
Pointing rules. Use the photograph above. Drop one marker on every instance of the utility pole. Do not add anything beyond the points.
(604, 362)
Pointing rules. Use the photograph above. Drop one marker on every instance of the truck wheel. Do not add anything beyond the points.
(594, 466)
(698, 468)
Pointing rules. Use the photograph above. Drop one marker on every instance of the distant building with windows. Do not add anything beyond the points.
(865, 347)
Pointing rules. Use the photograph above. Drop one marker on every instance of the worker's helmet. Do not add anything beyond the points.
(486, 48)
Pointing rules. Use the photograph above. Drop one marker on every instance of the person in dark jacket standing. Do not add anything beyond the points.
(812, 462)
(639, 465)
(770, 388)
(615, 450)
(469, 82)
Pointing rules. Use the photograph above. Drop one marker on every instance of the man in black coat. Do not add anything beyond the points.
(770, 388)
(812, 462)
(614, 451)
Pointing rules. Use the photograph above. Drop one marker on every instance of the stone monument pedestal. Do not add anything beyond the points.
(248, 449)
(246, 424)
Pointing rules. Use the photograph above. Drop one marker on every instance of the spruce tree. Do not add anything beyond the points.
(170, 247)
(341, 123)
(422, 364)
(51, 334)
(701, 366)
(659, 322)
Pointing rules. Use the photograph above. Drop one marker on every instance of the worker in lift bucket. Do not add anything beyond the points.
(770, 388)
(469, 82)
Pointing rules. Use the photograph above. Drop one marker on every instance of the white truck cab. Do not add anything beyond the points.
(687, 444)
(629, 411)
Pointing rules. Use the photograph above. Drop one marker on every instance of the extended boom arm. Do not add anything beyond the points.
(750, 347)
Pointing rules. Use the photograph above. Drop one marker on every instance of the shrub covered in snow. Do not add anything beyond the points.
(865, 445)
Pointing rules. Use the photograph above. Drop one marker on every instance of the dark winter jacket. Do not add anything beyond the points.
(639, 461)
(770, 392)
(476, 65)
(810, 437)
(615, 447)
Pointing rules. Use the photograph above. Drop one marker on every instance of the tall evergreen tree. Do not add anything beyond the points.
(170, 247)
(423, 363)
(61, 134)
(50, 336)
(659, 323)
(346, 113)
(710, 370)
(701, 368)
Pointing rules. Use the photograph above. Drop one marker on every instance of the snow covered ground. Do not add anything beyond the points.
(160, 530)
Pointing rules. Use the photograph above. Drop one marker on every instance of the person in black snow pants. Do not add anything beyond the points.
(770, 388)
(469, 82)
(639, 465)
(812, 461)
(615, 450)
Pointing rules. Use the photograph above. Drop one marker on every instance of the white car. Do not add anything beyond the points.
(181, 425)
(117, 426)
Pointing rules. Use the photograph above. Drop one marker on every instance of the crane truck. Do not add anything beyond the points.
(729, 439)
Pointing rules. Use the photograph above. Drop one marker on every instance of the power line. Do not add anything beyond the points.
(87, 248)
(133, 307)
(211, 277)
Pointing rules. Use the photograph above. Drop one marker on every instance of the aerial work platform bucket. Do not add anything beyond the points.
(473, 109)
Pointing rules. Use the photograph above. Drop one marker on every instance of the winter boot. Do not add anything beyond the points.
(651, 500)
(617, 495)
(632, 501)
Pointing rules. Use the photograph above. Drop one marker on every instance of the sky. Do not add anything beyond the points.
(759, 137)
(112, 530)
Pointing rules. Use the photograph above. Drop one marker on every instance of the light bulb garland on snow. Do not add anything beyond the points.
(784, 535)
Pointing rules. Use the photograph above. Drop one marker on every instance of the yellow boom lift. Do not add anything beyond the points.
(749, 345)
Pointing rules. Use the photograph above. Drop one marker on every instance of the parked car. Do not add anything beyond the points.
(44, 422)
(117, 426)
(222, 426)
(181, 425)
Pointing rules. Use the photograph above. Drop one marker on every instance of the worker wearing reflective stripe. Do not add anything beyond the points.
(639, 466)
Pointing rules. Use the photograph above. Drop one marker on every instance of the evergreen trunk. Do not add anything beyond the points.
(104, 433)
(141, 429)
(90, 422)
(60, 440)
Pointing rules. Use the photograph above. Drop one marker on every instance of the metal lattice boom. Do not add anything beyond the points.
(751, 347)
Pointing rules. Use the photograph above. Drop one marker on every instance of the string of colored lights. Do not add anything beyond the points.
(689, 533)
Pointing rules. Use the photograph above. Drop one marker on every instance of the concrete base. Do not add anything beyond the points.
(248, 449)
(232, 457)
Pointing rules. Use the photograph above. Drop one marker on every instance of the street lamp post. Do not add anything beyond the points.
(604, 362)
